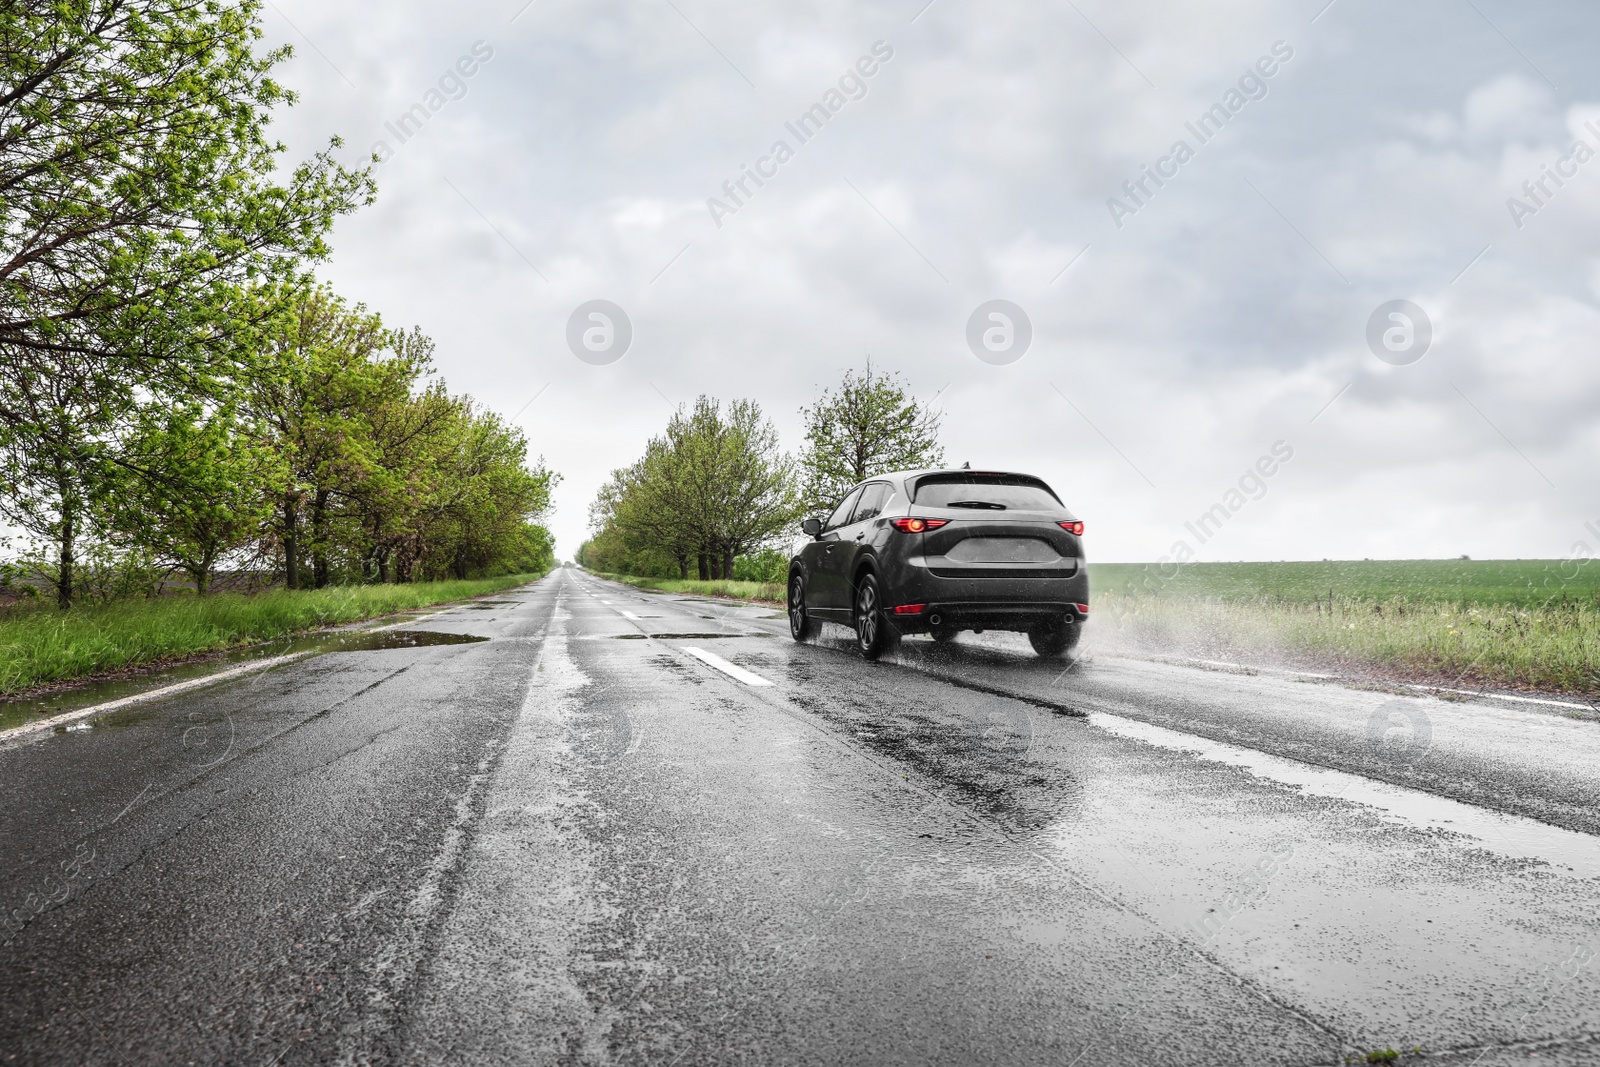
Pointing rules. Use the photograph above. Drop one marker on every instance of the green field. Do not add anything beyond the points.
(1531, 624)
(769, 591)
(42, 646)
(1479, 583)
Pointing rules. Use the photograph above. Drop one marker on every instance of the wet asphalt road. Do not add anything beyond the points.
(598, 837)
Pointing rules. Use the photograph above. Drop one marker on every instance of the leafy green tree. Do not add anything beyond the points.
(139, 194)
(486, 498)
(408, 430)
(402, 474)
(605, 552)
(869, 426)
(664, 504)
(754, 494)
(532, 550)
(195, 488)
(714, 485)
(654, 509)
(320, 373)
(387, 475)
(55, 468)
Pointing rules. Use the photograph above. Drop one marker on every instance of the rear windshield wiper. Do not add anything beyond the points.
(987, 504)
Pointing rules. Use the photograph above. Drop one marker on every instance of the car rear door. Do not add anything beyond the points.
(826, 555)
(854, 536)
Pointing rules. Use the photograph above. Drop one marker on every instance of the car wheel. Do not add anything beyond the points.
(800, 624)
(873, 633)
(1055, 640)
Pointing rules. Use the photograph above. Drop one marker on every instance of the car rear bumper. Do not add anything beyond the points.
(1020, 617)
(985, 603)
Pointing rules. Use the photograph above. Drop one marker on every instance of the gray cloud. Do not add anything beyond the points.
(1223, 317)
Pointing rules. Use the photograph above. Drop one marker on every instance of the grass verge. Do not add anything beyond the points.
(1543, 648)
(1520, 624)
(42, 646)
(1479, 583)
(771, 592)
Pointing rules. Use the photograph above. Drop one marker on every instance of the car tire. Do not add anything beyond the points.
(801, 627)
(1058, 640)
(874, 634)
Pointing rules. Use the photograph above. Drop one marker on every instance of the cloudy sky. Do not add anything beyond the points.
(1177, 335)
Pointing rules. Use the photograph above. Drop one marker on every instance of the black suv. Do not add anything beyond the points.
(944, 551)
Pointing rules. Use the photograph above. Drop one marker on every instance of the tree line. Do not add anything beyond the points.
(715, 489)
(177, 393)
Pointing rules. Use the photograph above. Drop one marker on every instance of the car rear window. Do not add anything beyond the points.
(985, 492)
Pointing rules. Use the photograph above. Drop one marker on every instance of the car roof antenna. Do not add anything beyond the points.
(967, 466)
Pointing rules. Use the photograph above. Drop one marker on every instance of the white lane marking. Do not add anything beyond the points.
(1498, 696)
(1515, 836)
(630, 615)
(733, 669)
(46, 725)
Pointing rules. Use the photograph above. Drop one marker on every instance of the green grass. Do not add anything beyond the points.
(1478, 583)
(1532, 624)
(772, 592)
(42, 646)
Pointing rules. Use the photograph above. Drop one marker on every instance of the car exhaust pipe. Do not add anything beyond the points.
(935, 619)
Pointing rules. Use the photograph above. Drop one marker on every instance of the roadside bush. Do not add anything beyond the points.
(767, 565)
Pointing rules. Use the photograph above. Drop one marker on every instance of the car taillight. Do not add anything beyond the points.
(1073, 527)
(913, 525)
(909, 609)
(1083, 609)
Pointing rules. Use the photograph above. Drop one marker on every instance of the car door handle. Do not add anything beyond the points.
(862, 536)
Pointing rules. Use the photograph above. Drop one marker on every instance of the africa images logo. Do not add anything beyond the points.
(1252, 485)
(599, 332)
(999, 332)
(1251, 86)
(1538, 191)
(852, 85)
(1399, 332)
(452, 86)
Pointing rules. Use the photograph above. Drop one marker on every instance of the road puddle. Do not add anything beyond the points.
(675, 637)
(388, 639)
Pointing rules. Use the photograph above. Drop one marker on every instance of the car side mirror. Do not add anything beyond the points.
(811, 527)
